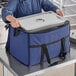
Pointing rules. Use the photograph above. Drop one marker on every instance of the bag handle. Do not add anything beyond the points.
(44, 51)
(40, 19)
(62, 54)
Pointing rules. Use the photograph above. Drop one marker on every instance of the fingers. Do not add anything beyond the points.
(60, 13)
(13, 21)
(15, 24)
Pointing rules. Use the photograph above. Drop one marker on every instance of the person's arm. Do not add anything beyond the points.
(7, 13)
(49, 6)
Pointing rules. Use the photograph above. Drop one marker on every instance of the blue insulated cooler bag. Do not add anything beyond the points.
(41, 37)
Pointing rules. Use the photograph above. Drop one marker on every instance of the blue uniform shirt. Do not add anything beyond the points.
(20, 8)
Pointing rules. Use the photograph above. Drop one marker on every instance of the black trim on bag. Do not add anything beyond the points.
(28, 51)
(34, 46)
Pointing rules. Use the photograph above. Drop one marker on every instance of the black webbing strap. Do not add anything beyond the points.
(63, 49)
(44, 51)
(17, 31)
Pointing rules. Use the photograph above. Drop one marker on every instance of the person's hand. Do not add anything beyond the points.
(13, 21)
(59, 12)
